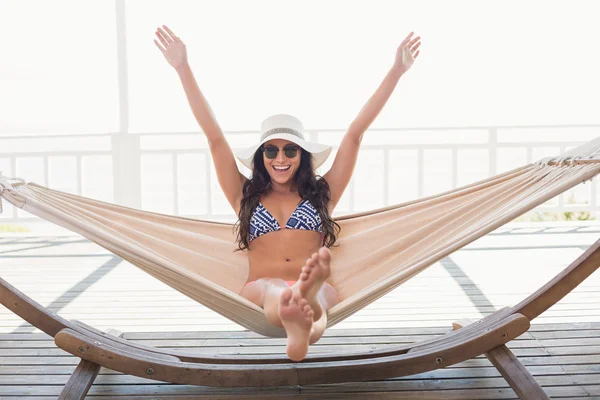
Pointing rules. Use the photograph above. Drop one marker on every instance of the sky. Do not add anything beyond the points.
(482, 63)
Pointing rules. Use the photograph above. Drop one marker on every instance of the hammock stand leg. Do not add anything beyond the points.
(515, 373)
(83, 377)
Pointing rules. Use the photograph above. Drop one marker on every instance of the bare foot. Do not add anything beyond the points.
(297, 318)
(312, 277)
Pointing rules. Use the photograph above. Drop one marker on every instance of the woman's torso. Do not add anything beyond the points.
(281, 253)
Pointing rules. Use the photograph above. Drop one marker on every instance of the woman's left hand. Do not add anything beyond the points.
(407, 52)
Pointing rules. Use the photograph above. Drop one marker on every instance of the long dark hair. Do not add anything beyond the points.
(310, 187)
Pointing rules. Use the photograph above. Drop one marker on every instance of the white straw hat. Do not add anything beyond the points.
(287, 127)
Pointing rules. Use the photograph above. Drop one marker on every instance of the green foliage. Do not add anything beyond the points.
(13, 228)
(558, 216)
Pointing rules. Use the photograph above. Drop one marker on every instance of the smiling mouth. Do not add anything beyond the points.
(281, 169)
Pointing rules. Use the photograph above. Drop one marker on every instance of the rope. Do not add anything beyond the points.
(587, 151)
(6, 185)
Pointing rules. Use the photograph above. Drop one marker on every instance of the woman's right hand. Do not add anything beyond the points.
(171, 46)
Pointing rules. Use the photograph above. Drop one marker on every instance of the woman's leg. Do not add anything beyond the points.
(320, 295)
(311, 283)
(283, 309)
(266, 293)
(295, 309)
(327, 298)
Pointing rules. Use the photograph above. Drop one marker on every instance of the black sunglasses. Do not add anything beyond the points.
(271, 151)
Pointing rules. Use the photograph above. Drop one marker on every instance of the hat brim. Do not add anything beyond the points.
(319, 151)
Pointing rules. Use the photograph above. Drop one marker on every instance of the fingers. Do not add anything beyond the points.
(166, 36)
(405, 41)
(170, 32)
(163, 41)
(159, 46)
(414, 41)
(412, 44)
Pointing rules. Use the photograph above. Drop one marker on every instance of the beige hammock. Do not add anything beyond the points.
(377, 251)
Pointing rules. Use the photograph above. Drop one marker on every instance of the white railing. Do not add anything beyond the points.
(173, 173)
(394, 164)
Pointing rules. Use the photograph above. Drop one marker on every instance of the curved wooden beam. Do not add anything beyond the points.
(145, 364)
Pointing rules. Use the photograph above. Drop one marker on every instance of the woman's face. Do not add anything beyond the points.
(282, 168)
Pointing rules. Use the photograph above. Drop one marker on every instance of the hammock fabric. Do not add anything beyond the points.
(378, 250)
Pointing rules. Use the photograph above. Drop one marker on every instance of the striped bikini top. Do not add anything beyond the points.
(304, 217)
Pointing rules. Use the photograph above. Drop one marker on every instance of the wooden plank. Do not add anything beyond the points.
(519, 379)
(516, 374)
(135, 361)
(83, 377)
(80, 381)
(171, 392)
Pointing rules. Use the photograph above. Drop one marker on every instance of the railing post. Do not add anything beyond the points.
(125, 147)
(127, 170)
(493, 150)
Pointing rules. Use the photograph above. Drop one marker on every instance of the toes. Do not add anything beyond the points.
(307, 269)
(307, 310)
(325, 254)
(303, 302)
(297, 298)
(286, 296)
(315, 257)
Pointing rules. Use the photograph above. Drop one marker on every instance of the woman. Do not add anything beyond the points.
(288, 266)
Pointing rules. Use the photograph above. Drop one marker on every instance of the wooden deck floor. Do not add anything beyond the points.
(80, 280)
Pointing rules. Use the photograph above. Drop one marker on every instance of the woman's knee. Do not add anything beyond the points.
(256, 291)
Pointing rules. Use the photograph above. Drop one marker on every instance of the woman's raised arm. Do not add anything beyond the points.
(230, 179)
(341, 171)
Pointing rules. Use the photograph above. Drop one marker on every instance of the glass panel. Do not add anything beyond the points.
(193, 185)
(63, 174)
(157, 183)
(97, 178)
(31, 169)
(403, 170)
(580, 195)
(343, 205)
(437, 171)
(540, 152)
(509, 158)
(5, 167)
(473, 165)
(369, 180)
(220, 205)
